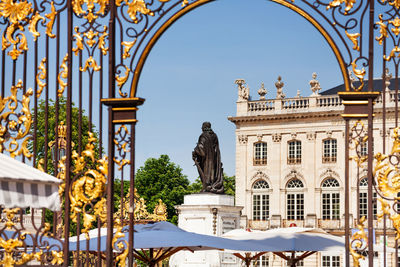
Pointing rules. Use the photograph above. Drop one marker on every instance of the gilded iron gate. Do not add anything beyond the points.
(70, 72)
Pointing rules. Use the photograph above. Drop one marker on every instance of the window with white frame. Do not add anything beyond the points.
(330, 199)
(363, 199)
(294, 152)
(330, 261)
(330, 150)
(262, 261)
(260, 153)
(295, 200)
(260, 192)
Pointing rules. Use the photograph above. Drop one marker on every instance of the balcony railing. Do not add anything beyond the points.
(259, 224)
(294, 160)
(328, 159)
(259, 161)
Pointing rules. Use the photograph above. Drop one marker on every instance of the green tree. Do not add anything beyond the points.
(229, 185)
(51, 124)
(51, 133)
(162, 179)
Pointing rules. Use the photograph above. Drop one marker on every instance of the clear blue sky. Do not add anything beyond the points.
(189, 76)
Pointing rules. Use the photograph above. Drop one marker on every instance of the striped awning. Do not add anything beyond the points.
(24, 186)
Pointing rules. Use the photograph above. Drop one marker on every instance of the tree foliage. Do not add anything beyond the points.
(51, 125)
(50, 120)
(229, 185)
(162, 179)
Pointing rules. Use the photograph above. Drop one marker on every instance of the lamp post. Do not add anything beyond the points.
(58, 149)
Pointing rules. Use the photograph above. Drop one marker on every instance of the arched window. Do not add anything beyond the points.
(294, 152)
(260, 153)
(260, 193)
(330, 150)
(363, 199)
(330, 199)
(295, 200)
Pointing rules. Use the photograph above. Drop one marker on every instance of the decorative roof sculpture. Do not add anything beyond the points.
(279, 88)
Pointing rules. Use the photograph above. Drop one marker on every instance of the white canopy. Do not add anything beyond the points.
(24, 186)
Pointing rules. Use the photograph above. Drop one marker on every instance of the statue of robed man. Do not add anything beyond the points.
(207, 159)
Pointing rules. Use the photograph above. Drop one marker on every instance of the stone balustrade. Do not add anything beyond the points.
(301, 104)
(320, 223)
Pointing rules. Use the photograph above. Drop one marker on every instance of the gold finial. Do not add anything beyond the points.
(62, 130)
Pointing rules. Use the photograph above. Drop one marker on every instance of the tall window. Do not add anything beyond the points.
(330, 199)
(330, 261)
(260, 200)
(363, 199)
(262, 261)
(260, 154)
(294, 153)
(330, 150)
(295, 200)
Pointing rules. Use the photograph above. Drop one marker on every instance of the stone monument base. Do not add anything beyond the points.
(209, 214)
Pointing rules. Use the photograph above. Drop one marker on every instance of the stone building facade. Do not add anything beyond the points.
(290, 163)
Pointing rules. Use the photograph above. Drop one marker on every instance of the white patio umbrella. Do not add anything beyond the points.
(24, 186)
(164, 237)
(292, 239)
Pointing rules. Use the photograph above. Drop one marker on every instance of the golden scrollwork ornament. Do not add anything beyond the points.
(14, 124)
(87, 189)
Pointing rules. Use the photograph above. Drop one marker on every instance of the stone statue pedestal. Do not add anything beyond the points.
(209, 214)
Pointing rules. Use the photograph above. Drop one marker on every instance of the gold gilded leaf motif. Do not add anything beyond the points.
(19, 129)
(127, 48)
(89, 187)
(51, 16)
(185, 2)
(102, 42)
(12, 255)
(357, 241)
(121, 80)
(58, 257)
(354, 39)
(33, 25)
(90, 35)
(359, 74)
(79, 42)
(387, 176)
(90, 13)
(10, 220)
(15, 11)
(395, 3)
(41, 75)
(63, 75)
(137, 6)
(394, 53)
(396, 24)
(19, 42)
(335, 3)
(382, 30)
(90, 63)
(119, 245)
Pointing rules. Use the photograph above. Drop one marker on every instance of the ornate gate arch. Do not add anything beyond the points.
(88, 52)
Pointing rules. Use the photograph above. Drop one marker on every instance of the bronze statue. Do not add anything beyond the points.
(207, 159)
